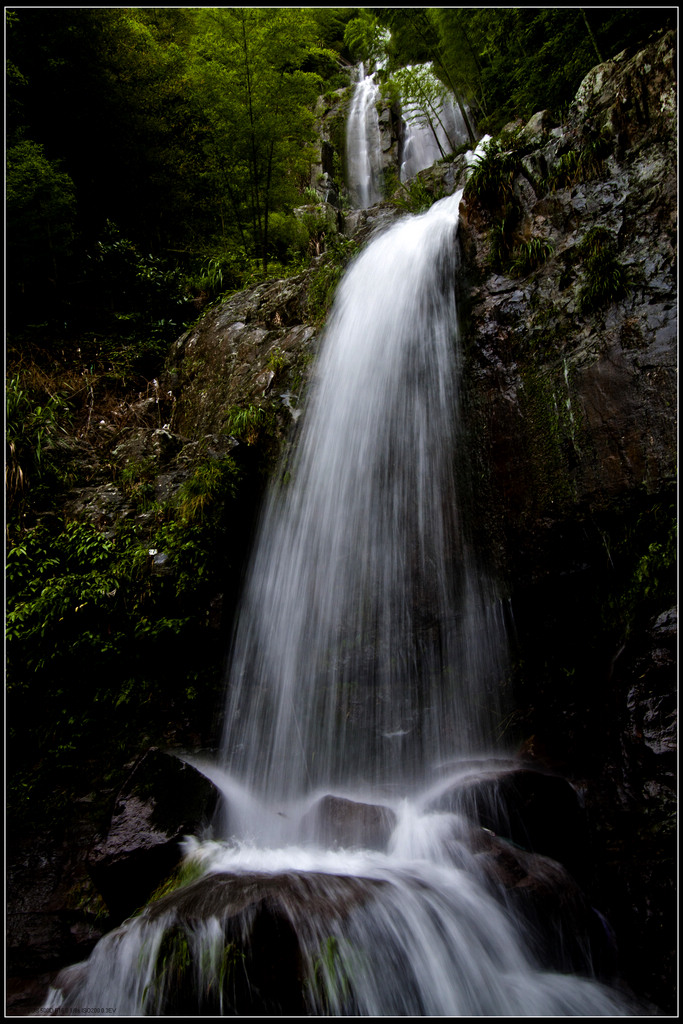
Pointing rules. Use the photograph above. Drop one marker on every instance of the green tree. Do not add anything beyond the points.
(424, 96)
(365, 39)
(507, 62)
(415, 39)
(262, 100)
(41, 215)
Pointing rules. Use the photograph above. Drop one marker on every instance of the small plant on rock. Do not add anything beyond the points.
(501, 239)
(415, 197)
(491, 176)
(529, 256)
(323, 286)
(605, 280)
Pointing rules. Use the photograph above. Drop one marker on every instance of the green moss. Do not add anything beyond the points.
(329, 981)
(171, 971)
(188, 871)
(641, 548)
(85, 898)
(550, 436)
(323, 285)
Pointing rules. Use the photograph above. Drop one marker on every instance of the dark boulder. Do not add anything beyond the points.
(54, 913)
(539, 812)
(271, 927)
(163, 800)
(338, 822)
(561, 927)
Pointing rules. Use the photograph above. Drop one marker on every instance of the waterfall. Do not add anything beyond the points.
(424, 144)
(434, 125)
(363, 146)
(353, 876)
(370, 646)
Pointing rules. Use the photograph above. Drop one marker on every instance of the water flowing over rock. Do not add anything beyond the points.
(364, 144)
(352, 599)
(363, 940)
(369, 653)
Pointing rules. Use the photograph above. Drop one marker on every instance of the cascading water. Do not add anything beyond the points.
(363, 145)
(362, 657)
(352, 877)
(427, 142)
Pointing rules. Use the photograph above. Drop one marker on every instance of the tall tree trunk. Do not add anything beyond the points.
(590, 33)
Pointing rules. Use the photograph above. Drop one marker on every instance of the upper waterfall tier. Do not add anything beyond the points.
(429, 126)
(363, 146)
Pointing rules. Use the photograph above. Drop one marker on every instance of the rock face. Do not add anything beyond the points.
(588, 396)
(54, 913)
(255, 345)
(163, 800)
(572, 424)
(537, 811)
(565, 932)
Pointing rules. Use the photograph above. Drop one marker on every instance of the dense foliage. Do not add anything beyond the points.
(189, 129)
(507, 63)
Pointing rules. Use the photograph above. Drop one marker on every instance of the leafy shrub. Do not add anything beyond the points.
(103, 645)
(491, 176)
(34, 422)
(528, 256)
(289, 235)
(415, 197)
(41, 214)
(604, 279)
(323, 286)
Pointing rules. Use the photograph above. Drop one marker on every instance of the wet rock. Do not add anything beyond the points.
(103, 506)
(565, 932)
(339, 822)
(651, 725)
(573, 410)
(539, 812)
(163, 800)
(144, 444)
(298, 896)
(54, 914)
(267, 918)
(270, 924)
(538, 126)
(25, 996)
